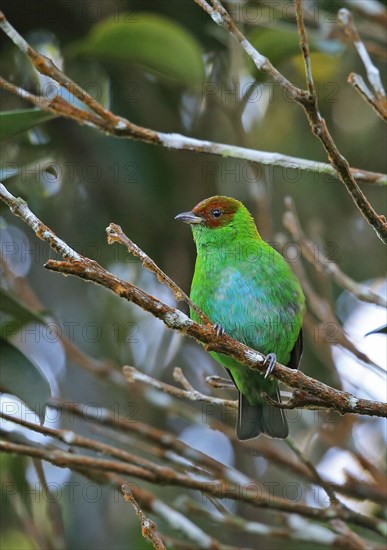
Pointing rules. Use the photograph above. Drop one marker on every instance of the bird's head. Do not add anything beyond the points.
(219, 220)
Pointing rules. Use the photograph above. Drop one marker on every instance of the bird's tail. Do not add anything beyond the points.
(261, 418)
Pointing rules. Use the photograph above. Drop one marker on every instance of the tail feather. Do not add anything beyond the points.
(249, 422)
(274, 421)
(261, 418)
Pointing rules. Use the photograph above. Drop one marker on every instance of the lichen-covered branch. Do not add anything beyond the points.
(377, 99)
(134, 375)
(148, 527)
(167, 446)
(107, 122)
(379, 106)
(322, 264)
(64, 459)
(116, 235)
(346, 20)
(90, 270)
(308, 100)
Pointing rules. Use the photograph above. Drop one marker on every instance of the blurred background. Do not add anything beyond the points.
(167, 66)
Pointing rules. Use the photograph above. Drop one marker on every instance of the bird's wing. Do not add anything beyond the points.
(296, 353)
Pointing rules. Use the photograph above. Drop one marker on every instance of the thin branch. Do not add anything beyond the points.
(134, 375)
(322, 264)
(32, 529)
(310, 105)
(116, 235)
(20, 208)
(249, 495)
(370, 11)
(45, 66)
(320, 129)
(361, 87)
(299, 399)
(54, 512)
(304, 45)
(90, 270)
(148, 527)
(102, 368)
(57, 105)
(175, 519)
(113, 125)
(149, 502)
(183, 143)
(299, 530)
(329, 328)
(218, 382)
(222, 18)
(357, 489)
(345, 18)
(167, 446)
(320, 481)
(69, 437)
(164, 440)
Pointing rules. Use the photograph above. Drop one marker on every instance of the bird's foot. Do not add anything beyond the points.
(218, 329)
(270, 361)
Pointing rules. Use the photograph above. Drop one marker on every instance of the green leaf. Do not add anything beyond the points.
(281, 45)
(277, 44)
(156, 43)
(19, 314)
(16, 122)
(22, 378)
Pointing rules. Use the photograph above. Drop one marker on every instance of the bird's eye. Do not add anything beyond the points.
(216, 213)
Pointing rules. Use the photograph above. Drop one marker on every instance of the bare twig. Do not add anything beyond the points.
(329, 329)
(148, 527)
(219, 382)
(54, 512)
(102, 119)
(164, 440)
(101, 368)
(89, 270)
(175, 519)
(321, 263)
(32, 528)
(328, 489)
(361, 87)
(346, 20)
(308, 100)
(299, 530)
(70, 437)
(304, 44)
(64, 459)
(116, 235)
(352, 539)
(180, 142)
(370, 11)
(167, 446)
(134, 375)
(222, 18)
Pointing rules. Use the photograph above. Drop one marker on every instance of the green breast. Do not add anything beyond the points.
(252, 294)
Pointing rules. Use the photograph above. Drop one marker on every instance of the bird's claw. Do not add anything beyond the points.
(219, 330)
(270, 361)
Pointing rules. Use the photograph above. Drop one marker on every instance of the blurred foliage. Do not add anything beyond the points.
(21, 378)
(171, 52)
(16, 122)
(167, 66)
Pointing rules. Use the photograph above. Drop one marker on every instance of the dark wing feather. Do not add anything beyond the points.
(295, 356)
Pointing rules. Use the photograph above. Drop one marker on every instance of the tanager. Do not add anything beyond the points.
(247, 290)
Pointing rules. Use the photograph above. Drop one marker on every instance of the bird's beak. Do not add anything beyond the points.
(189, 217)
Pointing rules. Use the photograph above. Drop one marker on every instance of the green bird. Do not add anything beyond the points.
(247, 290)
